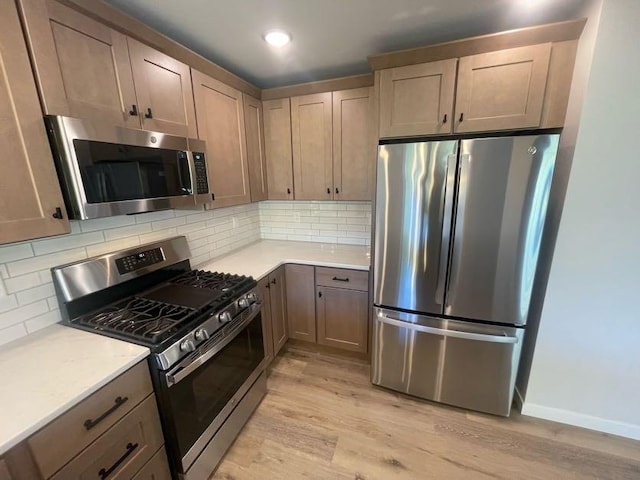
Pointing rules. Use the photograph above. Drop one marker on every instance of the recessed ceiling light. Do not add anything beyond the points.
(277, 38)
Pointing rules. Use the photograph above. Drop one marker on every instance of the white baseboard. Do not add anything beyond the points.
(614, 427)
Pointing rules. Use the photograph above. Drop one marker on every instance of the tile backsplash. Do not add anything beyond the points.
(27, 297)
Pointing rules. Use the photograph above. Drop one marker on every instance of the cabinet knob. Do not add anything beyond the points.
(444, 120)
(149, 114)
(134, 111)
(288, 191)
(319, 294)
(328, 191)
(58, 214)
(461, 117)
(273, 281)
(337, 191)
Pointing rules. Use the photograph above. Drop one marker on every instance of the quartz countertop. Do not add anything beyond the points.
(260, 258)
(50, 371)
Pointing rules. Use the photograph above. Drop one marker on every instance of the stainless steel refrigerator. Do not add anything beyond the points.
(457, 235)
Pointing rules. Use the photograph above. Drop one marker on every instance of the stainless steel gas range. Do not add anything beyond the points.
(204, 330)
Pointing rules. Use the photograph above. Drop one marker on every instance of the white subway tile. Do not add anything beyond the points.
(75, 227)
(45, 276)
(159, 235)
(53, 304)
(67, 242)
(200, 259)
(26, 297)
(112, 246)
(154, 216)
(171, 222)
(12, 333)
(11, 253)
(8, 302)
(106, 223)
(41, 321)
(44, 262)
(366, 206)
(4, 273)
(22, 282)
(128, 231)
(359, 221)
(324, 239)
(190, 227)
(21, 314)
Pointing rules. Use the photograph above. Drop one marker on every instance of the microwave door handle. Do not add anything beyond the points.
(186, 183)
(180, 372)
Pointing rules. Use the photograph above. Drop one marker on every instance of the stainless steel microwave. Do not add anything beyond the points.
(106, 170)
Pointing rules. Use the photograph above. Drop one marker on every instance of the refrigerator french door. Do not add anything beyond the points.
(458, 231)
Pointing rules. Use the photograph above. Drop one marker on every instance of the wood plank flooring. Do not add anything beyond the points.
(322, 419)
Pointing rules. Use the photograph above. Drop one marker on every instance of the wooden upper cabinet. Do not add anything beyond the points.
(354, 144)
(417, 99)
(163, 89)
(502, 90)
(220, 117)
(277, 146)
(311, 121)
(255, 148)
(81, 65)
(29, 188)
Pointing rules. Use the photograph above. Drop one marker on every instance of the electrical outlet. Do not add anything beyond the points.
(296, 217)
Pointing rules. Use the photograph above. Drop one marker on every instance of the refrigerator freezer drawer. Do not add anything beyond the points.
(460, 363)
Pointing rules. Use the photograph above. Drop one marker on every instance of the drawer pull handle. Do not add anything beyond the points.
(118, 402)
(104, 473)
(338, 279)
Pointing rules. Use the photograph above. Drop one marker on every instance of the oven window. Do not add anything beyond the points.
(112, 172)
(198, 399)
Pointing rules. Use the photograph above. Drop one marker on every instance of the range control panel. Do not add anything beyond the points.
(202, 184)
(139, 260)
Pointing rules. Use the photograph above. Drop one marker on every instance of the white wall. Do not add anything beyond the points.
(586, 365)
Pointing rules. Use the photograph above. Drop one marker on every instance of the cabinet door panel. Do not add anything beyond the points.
(277, 147)
(82, 66)
(255, 148)
(278, 294)
(29, 188)
(221, 124)
(354, 144)
(163, 84)
(312, 146)
(342, 318)
(417, 99)
(502, 90)
(301, 311)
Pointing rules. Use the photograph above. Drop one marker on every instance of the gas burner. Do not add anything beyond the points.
(140, 319)
(220, 282)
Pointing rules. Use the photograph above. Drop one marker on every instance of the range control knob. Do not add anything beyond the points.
(224, 317)
(243, 302)
(252, 297)
(201, 334)
(187, 346)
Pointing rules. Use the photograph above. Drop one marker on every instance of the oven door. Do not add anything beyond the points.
(203, 390)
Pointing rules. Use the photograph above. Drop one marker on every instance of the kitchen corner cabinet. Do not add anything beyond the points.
(301, 313)
(311, 127)
(29, 190)
(220, 115)
(354, 144)
(85, 69)
(274, 312)
(277, 147)
(254, 129)
(417, 99)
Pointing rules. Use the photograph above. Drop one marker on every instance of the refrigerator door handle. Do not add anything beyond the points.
(463, 166)
(446, 213)
(448, 333)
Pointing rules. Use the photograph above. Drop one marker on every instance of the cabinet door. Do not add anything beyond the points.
(301, 311)
(278, 294)
(277, 147)
(267, 330)
(502, 90)
(342, 318)
(417, 99)
(29, 188)
(354, 144)
(312, 146)
(163, 88)
(221, 124)
(81, 65)
(255, 148)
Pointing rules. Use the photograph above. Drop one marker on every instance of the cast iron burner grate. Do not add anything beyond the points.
(221, 282)
(140, 319)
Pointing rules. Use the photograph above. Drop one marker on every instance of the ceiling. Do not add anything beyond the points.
(331, 38)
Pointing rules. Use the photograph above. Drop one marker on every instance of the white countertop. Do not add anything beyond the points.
(260, 258)
(45, 374)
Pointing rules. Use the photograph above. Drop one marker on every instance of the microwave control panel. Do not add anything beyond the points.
(139, 260)
(202, 184)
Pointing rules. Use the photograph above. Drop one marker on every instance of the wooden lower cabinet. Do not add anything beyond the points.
(301, 311)
(342, 318)
(274, 312)
(155, 469)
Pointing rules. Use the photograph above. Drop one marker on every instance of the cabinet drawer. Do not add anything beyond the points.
(342, 278)
(62, 439)
(156, 469)
(122, 450)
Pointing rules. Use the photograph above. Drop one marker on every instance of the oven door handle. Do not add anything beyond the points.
(180, 372)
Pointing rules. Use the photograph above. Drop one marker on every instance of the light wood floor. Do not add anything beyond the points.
(322, 419)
